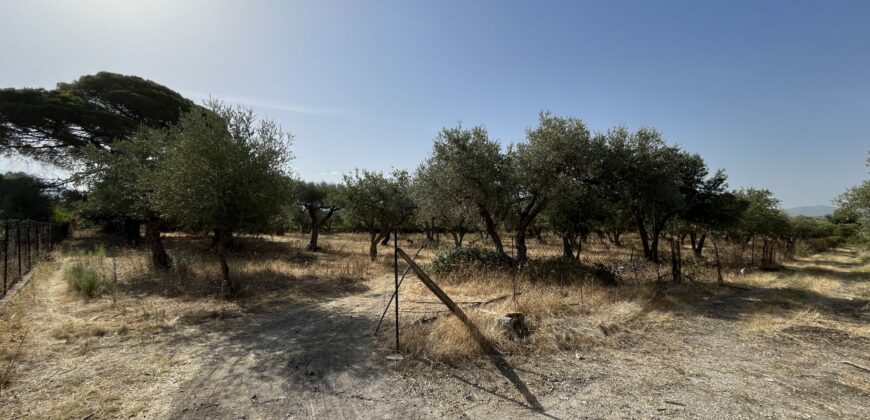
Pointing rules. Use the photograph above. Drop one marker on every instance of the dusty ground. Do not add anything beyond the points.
(300, 349)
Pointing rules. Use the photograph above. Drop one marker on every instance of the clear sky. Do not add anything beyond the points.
(775, 92)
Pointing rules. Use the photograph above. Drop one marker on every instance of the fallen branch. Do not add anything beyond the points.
(857, 366)
(734, 286)
(435, 314)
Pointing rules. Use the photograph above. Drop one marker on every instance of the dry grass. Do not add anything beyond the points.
(114, 354)
(570, 311)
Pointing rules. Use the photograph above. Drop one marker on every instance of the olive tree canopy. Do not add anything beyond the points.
(224, 171)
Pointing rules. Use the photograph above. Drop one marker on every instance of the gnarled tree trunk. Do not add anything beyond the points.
(233, 284)
(491, 230)
(699, 247)
(373, 246)
(316, 223)
(676, 261)
(522, 250)
(159, 257)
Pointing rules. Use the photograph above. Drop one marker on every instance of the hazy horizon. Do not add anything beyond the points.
(776, 93)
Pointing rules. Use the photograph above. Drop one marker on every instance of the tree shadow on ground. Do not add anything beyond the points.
(260, 287)
(267, 365)
(269, 271)
(736, 302)
(243, 248)
(846, 276)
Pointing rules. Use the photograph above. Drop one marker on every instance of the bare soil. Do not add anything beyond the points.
(749, 352)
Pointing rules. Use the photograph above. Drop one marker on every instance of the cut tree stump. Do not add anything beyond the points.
(513, 326)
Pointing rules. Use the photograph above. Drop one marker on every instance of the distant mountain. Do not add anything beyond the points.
(812, 211)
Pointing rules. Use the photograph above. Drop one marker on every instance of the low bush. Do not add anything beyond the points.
(451, 258)
(85, 280)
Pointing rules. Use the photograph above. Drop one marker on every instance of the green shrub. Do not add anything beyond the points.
(451, 258)
(85, 280)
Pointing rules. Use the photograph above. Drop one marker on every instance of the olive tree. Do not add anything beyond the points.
(575, 211)
(320, 201)
(855, 203)
(378, 203)
(651, 180)
(438, 209)
(558, 148)
(224, 171)
(762, 219)
(471, 170)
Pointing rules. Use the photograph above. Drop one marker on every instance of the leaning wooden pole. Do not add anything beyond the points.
(454, 308)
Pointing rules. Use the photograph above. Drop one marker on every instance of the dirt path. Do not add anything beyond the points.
(309, 361)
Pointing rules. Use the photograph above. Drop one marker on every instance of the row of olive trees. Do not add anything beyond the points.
(562, 178)
(565, 180)
(147, 155)
(569, 180)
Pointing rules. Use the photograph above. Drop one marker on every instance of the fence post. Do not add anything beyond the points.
(18, 245)
(5, 254)
(396, 280)
(37, 240)
(29, 260)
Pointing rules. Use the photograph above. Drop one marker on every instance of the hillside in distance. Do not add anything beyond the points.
(812, 211)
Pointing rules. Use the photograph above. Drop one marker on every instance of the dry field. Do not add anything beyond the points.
(299, 344)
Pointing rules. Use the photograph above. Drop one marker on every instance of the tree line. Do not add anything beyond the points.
(145, 155)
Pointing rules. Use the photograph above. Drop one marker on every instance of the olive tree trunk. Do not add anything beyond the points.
(232, 283)
(159, 258)
(376, 237)
(492, 230)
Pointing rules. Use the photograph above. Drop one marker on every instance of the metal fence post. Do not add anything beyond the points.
(18, 246)
(5, 254)
(396, 280)
(29, 260)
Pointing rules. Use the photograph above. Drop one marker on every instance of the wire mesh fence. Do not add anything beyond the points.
(24, 242)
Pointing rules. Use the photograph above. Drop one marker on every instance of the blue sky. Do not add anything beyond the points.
(775, 92)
